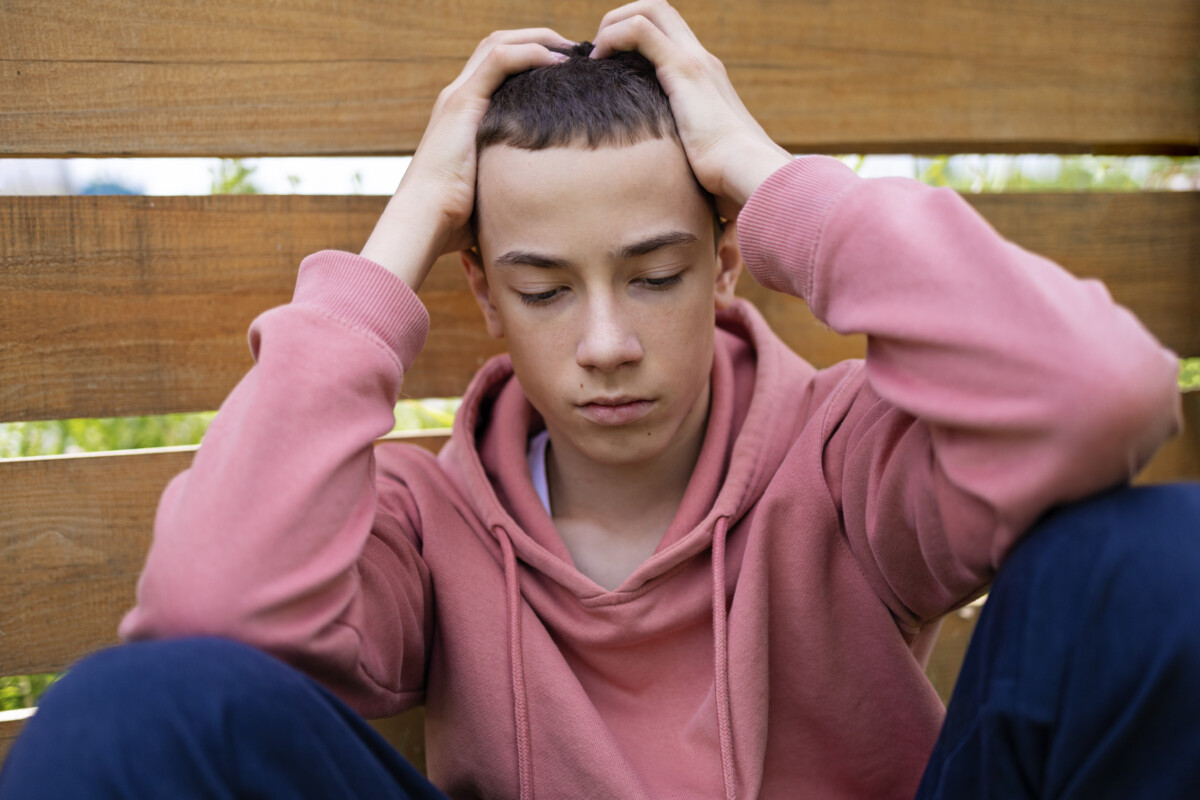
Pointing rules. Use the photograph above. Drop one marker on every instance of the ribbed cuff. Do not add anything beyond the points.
(780, 227)
(366, 296)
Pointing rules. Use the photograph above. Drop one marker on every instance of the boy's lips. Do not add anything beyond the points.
(615, 410)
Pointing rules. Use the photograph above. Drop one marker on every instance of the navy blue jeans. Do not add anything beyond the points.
(1082, 681)
(200, 718)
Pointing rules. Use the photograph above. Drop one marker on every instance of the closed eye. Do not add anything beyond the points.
(539, 298)
(659, 284)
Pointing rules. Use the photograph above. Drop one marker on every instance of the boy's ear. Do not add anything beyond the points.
(483, 295)
(729, 264)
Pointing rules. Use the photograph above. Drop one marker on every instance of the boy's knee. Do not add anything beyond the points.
(127, 671)
(204, 716)
(1139, 539)
(1111, 577)
(128, 719)
(1088, 634)
(138, 689)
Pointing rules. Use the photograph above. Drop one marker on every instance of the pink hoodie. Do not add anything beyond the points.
(774, 644)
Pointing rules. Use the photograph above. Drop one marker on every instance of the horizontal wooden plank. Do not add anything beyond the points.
(1179, 458)
(8, 733)
(946, 660)
(119, 77)
(119, 306)
(70, 568)
(406, 733)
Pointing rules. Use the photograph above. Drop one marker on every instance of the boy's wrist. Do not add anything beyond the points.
(360, 294)
(408, 237)
(754, 167)
(781, 223)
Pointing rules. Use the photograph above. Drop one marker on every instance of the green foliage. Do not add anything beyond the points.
(56, 437)
(232, 176)
(419, 415)
(23, 691)
(1087, 173)
(63, 436)
(1189, 374)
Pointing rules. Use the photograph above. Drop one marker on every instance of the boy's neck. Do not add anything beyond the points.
(612, 517)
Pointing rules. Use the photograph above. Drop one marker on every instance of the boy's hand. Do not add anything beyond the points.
(729, 151)
(431, 210)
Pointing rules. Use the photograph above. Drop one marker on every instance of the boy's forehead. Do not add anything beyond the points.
(579, 148)
(504, 163)
(539, 192)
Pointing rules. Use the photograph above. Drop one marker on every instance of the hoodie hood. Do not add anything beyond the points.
(749, 431)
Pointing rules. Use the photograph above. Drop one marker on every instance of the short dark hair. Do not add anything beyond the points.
(595, 102)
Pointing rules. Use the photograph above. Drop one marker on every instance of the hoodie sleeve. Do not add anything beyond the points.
(996, 385)
(274, 536)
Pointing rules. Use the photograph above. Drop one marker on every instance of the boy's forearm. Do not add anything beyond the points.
(409, 236)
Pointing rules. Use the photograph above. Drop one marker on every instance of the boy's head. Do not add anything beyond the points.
(610, 102)
(582, 102)
(598, 257)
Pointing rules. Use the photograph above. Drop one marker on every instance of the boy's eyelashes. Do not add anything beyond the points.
(652, 283)
(662, 283)
(539, 299)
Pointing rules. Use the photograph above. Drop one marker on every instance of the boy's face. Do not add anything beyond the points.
(600, 270)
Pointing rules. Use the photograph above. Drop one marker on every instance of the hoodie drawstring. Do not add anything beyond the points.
(517, 664)
(721, 658)
(720, 663)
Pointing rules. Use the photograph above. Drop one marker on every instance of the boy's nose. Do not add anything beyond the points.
(607, 341)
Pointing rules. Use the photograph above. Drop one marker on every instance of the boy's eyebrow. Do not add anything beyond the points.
(515, 258)
(530, 259)
(658, 242)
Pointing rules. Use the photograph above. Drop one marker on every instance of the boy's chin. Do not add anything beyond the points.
(628, 446)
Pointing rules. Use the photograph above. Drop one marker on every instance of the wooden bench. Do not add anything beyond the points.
(115, 306)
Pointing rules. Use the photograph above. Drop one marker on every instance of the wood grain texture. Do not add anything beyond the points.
(1179, 458)
(119, 77)
(70, 567)
(8, 732)
(946, 660)
(114, 306)
(119, 306)
(406, 733)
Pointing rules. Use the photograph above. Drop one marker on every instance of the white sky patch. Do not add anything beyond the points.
(374, 175)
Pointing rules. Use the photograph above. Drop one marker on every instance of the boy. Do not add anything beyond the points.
(661, 556)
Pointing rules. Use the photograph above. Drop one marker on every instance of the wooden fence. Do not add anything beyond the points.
(115, 306)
